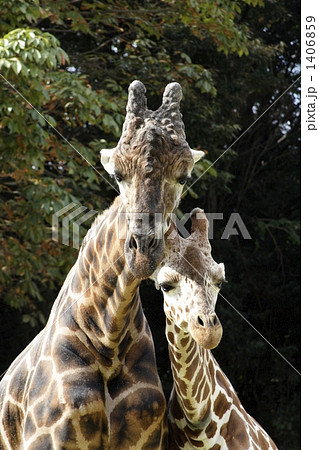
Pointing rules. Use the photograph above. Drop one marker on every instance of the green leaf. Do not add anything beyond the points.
(16, 66)
(4, 63)
(21, 44)
(186, 57)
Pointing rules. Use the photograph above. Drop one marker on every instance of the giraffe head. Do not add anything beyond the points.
(150, 163)
(190, 280)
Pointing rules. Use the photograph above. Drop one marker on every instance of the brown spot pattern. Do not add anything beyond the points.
(221, 405)
(234, 432)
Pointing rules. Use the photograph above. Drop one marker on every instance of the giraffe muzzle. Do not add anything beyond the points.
(206, 330)
(143, 253)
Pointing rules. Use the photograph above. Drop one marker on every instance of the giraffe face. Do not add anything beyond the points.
(151, 163)
(190, 300)
(190, 280)
(150, 186)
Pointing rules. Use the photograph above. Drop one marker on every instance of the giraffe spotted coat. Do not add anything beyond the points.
(204, 411)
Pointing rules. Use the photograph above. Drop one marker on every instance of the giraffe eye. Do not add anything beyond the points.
(118, 177)
(182, 180)
(166, 287)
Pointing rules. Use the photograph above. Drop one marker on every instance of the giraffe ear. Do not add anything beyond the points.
(154, 277)
(197, 155)
(222, 266)
(106, 159)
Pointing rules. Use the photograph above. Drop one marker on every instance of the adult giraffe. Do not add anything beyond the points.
(89, 379)
(204, 411)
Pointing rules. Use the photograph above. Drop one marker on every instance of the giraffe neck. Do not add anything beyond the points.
(89, 379)
(100, 295)
(194, 374)
(204, 409)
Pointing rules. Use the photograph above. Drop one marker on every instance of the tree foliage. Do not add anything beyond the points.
(41, 172)
(65, 67)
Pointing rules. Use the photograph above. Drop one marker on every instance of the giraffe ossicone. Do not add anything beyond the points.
(204, 410)
(150, 163)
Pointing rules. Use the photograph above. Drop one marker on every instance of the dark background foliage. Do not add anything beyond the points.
(73, 61)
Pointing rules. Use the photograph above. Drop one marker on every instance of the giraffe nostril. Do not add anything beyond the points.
(207, 321)
(143, 244)
(133, 243)
(152, 242)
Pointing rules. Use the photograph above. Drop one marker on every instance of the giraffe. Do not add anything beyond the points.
(89, 379)
(204, 410)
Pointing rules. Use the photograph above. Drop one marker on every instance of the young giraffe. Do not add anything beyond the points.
(89, 379)
(204, 410)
